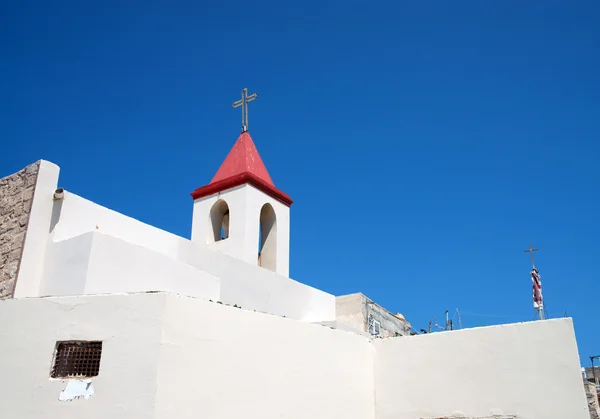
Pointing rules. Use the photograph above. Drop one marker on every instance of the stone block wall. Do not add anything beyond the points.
(390, 325)
(590, 373)
(357, 311)
(593, 402)
(16, 197)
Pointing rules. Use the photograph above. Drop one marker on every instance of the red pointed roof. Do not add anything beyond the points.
(242, 165)
(243, 157)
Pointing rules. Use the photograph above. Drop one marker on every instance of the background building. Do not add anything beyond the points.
(362, 313)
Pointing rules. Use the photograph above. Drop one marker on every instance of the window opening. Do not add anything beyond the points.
(219, 220)
(77, 359)
(267, 238)
(374, 326)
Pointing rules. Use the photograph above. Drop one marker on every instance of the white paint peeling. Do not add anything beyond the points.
(76, 389)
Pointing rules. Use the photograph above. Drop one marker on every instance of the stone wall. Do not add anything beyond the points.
(16, 197)
(590, 373)
(359, 312)
(592, 397)
(390, 325)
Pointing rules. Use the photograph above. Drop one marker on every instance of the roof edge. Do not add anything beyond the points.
(240, 179)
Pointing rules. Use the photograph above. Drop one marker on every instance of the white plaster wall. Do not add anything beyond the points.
(231, 363)
(530, 370)
(260, 289)
(66, 266)
(118, 266)
(242, 283)
(34, 249)
(76, 215)
(95, 263)
(168, 356)
(130, 328)
(245, 203)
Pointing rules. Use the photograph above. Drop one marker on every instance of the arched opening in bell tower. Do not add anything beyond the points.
(267, 238)
(219, 220)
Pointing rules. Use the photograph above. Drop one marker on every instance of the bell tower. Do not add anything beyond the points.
(241, 213)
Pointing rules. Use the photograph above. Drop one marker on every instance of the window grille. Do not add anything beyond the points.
(77, 359)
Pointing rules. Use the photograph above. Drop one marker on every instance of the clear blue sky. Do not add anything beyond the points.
(425, 143)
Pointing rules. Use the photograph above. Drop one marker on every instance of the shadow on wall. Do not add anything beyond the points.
(267, 238)
(219, 219)
(56, 210)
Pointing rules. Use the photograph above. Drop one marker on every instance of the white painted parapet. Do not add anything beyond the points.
(40, 219)
(521, 370)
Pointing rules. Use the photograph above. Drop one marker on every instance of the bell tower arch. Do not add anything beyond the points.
(241, 207)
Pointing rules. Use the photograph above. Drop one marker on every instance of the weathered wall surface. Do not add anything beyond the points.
(357, 310)
(167, 356)
(349, 310)
(16, 197)
(592, 398)
(129, 327)
(390, 325)
(593, 372)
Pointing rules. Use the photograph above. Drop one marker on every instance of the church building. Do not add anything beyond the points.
(103, 316)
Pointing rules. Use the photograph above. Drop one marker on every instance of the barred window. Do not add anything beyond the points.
(77, 359)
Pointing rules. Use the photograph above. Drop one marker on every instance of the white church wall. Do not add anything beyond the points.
(530, 370)
(259, 289)
(34, 249)
(118, 266)
(166, 356)
(95, 263)
(130, 330)
(231, 363)
(242, 283)
(78, 215)
(66, 266)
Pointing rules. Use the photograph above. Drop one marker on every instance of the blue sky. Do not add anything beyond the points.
(425, 144)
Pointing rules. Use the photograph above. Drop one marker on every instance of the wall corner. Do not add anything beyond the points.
(31, 265)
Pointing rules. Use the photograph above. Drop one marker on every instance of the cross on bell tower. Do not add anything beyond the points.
(243, 102)
(241, 212)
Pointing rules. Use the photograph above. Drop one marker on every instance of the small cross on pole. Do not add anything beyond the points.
(243, 102)
(530, 251)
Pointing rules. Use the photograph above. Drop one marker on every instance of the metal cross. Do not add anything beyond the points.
(243, 102)
(530, 251)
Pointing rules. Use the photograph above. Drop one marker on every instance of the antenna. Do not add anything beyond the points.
(459, 319)
(538, 300)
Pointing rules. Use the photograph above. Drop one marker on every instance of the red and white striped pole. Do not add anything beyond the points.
(538, 299)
